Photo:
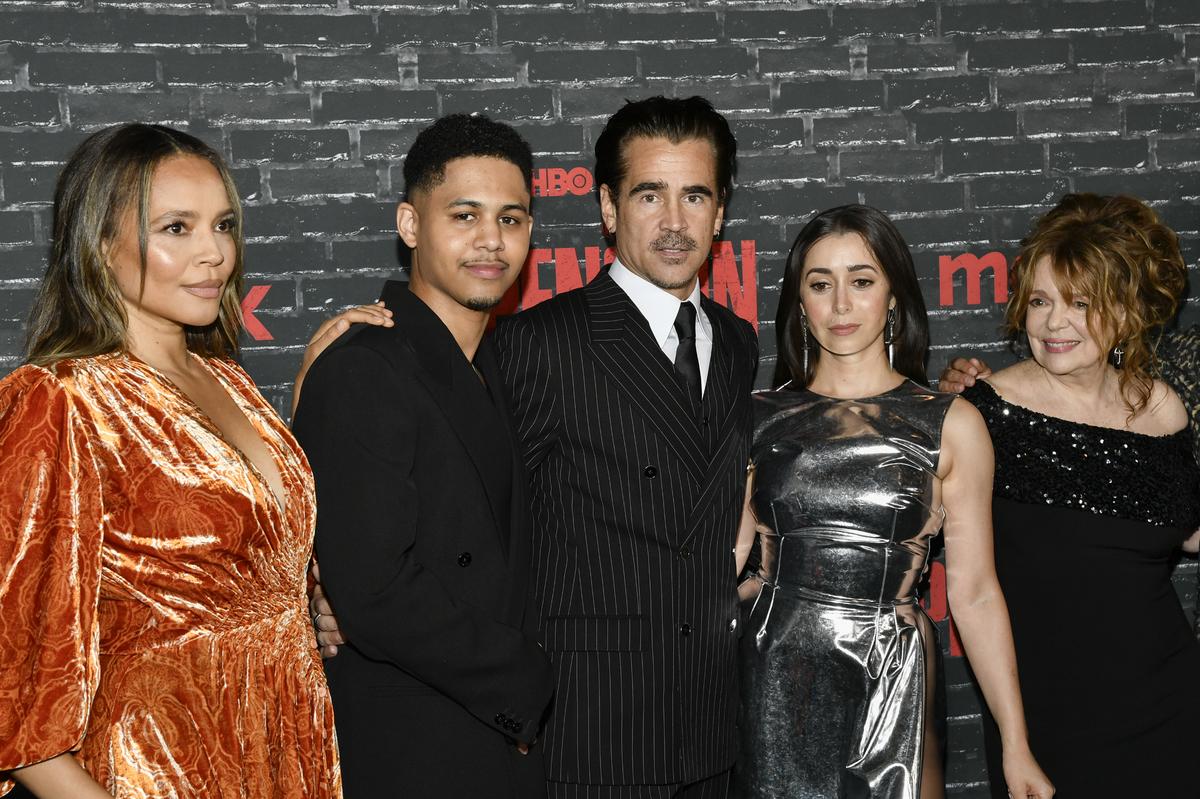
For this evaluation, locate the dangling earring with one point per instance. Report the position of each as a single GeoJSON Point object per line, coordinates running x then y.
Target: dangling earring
{"type": "Point", "coordinates": [804, 339]}
{"type": "Point", "coordinates": [889, 335]}
{"type": "Point", "coordinates": [1118, 355]}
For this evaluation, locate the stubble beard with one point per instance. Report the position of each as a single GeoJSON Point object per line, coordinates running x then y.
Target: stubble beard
{"type": "Point", "coordinates": [482, 303]}
{"type": "Point", "coordinates": [673, 240]}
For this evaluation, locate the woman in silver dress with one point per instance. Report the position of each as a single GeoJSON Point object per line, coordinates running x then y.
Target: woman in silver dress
{"type": "Point", "coordinates": [856, 467]}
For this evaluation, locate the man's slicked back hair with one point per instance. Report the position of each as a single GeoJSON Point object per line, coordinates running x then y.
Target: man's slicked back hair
{"type": "Point", "coordinates": [669, 118]}
{"type": "Point", "coordinates": [462, 136]}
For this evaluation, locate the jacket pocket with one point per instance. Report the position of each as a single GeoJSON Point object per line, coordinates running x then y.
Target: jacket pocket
{"type": "Point", "coordinates": [595, 634]}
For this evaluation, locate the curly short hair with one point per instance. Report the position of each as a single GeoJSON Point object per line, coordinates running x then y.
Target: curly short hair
{"type": "Point", "coordinates": [1116, 251]}
{"type": "Point", "coordinates": [462, 136]}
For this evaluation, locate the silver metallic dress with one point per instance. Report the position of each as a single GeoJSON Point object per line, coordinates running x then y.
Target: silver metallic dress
{"type": "Point", "coordinates": [838, 660]}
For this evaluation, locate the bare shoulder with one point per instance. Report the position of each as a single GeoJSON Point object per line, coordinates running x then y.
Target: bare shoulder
{"type": "Point", "coordinates": [965, 437]}
{"type": "Point", "coordinates": [1165, 412]}
{"type": "Point", "coordinates": [1009, 381]}
{"type": "Point", "coordinates": [965, 423]}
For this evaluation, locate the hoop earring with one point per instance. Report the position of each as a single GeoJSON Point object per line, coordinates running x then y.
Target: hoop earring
{"type": "Point", "coordinates": [804, 339]}
{"type": "Point", "coordinates": [1118, 355]}
{"type": "Point", "coordinates": [889, 335]}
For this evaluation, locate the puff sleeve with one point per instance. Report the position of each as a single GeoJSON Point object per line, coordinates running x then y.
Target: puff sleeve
{"type": "Point", "coordinates": [51, 524]}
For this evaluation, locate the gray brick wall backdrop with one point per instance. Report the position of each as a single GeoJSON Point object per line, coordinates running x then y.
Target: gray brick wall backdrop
{"type": "Point", "coordinates": [962, 119]}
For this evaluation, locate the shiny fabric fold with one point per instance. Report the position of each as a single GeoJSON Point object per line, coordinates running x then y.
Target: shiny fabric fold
{"type": "Point", "coordinates": [838, 660]}
{"type": "Point", "coordinates": [152, 589]}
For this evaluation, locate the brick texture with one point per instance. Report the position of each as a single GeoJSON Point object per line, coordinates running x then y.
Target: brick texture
{"type": "Point", "coordinates": [962, 118]}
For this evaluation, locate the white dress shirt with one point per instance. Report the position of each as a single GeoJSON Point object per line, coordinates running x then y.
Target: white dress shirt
{"type": "Point", "coordinates": [660, 307]}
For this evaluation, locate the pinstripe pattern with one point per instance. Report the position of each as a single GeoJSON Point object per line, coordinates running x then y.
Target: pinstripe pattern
{"type": "Point", "coordinates": [635, 499]}
{"type": "Point", "coordinates": [716, 787]}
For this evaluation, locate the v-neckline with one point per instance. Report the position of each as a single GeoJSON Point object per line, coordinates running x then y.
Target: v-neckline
{"type": "Point", "coordinates": [207, 421]}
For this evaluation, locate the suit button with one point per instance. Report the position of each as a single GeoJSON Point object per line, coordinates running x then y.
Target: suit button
{"type": "Point", "coordinates": [685, 552]}
{"type": "Point", "coordinates": [650, 471]}
{"type": "Point", "coordinates": [685, 629]}
{"type": "Point", "coordinates": [704, 421]}
{"type": "Point", "coordinates": [464, 559]}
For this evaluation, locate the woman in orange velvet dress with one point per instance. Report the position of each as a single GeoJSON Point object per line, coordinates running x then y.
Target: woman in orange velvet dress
{"type": "Point", "coordinates": [156, 516]}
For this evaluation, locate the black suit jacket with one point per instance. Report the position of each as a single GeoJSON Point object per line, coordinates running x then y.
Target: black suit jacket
{"type": "Point", "coordinates": [423, 541]}
{"type": "Point", "coordinates": [636, 496]}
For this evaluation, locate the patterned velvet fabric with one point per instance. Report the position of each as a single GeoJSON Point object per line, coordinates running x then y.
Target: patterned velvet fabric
{"type": "Point", "coordinates": [152, 589]}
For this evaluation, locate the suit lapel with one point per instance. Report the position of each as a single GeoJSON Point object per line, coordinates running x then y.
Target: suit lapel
{"type": "Point", "coordinates": [518, 523]}
{"type": "Point", "coordinates": [448, 376]}
{"type": "Point", "coordinates": [719, 399]}
{"type": "Point", "coordinates": [516, 544]}
{"type": "Point", "coordinates": [621, 341]}
{"type": "Point", "coordinates": [726, 395]}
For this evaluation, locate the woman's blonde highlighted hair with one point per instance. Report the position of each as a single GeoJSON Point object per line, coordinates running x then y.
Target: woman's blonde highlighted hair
{"type": "Point", "coordinates": [1115, 252]}
{"type": "Point", "coordinates": [78, 311]}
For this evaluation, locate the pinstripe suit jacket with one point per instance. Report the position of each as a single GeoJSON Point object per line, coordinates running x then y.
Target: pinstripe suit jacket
{"type": "Point", "coordinates": [636, 494]}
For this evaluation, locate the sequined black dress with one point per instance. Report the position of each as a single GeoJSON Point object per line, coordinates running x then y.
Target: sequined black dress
{"type": "Point", "coordinates": [839, 663]}
{"type": "Point", "coordinates": [1087, 523]}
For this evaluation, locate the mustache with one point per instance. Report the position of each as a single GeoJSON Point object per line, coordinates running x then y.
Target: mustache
{"type": "Point", "coordinates": [673, 240]}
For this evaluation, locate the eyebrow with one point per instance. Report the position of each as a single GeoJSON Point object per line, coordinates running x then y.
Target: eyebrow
{"type": "Point", "coordinates": [659, 185]}
{"type": "Point", "coordinates": [647, 185]}
{"type": "Point", "coordinates": [825, 270]}
{"type": "Point", "coordinates": [476, 204]}
{"type": "Point", "coordinates": [192, 214]}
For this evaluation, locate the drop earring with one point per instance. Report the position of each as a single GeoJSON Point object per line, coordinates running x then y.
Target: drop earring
{"type": "Point", "coordinates": [1118, 355]}
{"type": "Point", "coordinates": [889, 335]}
{"type": "Point", "coordinates": [804, 339]}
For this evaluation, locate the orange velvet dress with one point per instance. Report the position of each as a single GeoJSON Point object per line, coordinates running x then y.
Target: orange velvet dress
{"type": "Point", "coordinates": [152, 590]}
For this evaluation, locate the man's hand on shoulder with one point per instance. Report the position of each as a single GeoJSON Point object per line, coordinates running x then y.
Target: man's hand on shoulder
{"type": "Point", "coordinates": [330, 330]}
{"type": "Point", "coordinates": [961, 373]}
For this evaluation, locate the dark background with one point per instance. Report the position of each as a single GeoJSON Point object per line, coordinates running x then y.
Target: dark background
{"type": "Point", "coordinates": [961, 119]}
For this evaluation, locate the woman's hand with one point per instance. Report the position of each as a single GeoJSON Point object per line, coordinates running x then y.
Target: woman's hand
{"type": "Point", "coordinates": [60, 777]}
{"type": "Point", "coordinates": [1192, 545]}
{"type": "Point", "coordinates": [330, 329]}
{"type": "Point", "coordinates": [1024, 777]}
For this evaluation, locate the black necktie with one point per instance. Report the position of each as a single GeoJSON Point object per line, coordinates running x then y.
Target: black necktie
{"type": "Point", "coordinates": [687, 365]}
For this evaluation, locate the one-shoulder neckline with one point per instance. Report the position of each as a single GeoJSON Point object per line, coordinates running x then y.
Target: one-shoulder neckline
{"type": "Point", "coordinates": [1183, 431]}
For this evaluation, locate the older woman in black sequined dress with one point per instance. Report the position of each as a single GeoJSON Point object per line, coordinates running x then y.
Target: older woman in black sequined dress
{"type": "Point", "coordinates": [1095, 491]}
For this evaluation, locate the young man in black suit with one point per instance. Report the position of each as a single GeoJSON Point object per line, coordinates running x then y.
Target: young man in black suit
{"type": "Point", "coordinates": [423, 529]}
{"type": "Point", "coordinates": [632, 401]}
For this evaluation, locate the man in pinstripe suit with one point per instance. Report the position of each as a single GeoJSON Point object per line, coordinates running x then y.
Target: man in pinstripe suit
{"type": "Point", "coordinates": [632, 401]}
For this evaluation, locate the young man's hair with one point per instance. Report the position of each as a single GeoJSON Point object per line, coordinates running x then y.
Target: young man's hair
{"type": "Point", "coordinates": [669, 118]}
{"type": "Point", "coordinates": [462, 136]}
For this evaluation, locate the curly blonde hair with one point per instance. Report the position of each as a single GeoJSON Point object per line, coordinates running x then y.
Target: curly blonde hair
{"type": "Point", "coordinates": [1115, 251]}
